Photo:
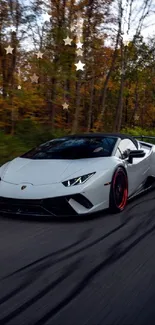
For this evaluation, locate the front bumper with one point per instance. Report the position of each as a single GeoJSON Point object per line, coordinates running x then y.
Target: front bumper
{"type": "Point", "coordinates": [54, 199]}
{"type": "Point", "coordinates": [58, 206]}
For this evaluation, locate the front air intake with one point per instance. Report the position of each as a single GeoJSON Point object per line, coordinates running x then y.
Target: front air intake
{"type": "Point", "coordinates": [81, 199]}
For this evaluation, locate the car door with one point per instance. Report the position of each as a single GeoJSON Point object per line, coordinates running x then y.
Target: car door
{"type": "Point", "coordinates": [138, 171]}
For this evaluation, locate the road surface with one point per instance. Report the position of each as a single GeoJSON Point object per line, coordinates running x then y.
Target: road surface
{"type": "Point", "coordinates": [92, 272]}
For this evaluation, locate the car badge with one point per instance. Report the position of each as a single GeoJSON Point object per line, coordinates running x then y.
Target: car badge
{"type": "Point", "coordinates": [23, 187]}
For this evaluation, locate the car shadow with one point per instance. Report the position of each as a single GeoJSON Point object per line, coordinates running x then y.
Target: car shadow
{"type": "Point", "coordinates": [57, 219]}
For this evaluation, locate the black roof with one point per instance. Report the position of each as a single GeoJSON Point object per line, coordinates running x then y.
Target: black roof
{"type": "Point", "coordinates": [117, 135]}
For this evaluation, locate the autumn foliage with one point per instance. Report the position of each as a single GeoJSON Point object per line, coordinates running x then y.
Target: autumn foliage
{"type": "Point", "coordinates": [116, 89]}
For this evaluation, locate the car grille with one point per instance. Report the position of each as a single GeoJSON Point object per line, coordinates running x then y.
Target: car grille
{"type": "Point", "coordinates": [45, 207]}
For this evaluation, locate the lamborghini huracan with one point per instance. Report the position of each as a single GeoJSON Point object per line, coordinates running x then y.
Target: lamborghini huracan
{"type": "Point", "coordinates": [77, 175]}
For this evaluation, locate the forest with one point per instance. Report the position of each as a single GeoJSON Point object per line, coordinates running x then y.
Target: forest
{"type": "Point", "coordinates": [69, 66]}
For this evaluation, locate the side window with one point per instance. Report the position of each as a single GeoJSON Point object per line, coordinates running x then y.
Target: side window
{"type": "Point", "coordinates": [126, 144]}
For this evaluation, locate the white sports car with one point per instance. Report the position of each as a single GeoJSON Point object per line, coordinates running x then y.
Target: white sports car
{"type": "Point", "coordinates": [77, 175]}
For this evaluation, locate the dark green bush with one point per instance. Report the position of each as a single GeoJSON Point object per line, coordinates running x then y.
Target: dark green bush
{"type": "Point", "coordinates": [10, 147]}
{"type": "Point", "coordinates": [28, 134]}
{"type": "Point", "coordinates": [32, 133]}
{"type": "Point", "coordinates": [137, 131]}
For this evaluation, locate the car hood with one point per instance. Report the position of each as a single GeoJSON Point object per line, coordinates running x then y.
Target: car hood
{"type": "Point", "coordinates": [41, 172]}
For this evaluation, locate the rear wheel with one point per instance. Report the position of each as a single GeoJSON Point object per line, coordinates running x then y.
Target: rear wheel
{"type": "Point", "coordinates": [119, 190]}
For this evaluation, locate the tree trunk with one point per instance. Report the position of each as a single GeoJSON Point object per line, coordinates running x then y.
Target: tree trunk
{"type": "Point", "coordinates": [77, 109]}
{"type": "Point", "coordinates": [119, 108]}
{"type": "Point", "coordinates": [104, 89]}
{"type": "Point", "coordinates": [52, 106]}
{"type": "Point", "coordinates": [136, 103]}
{"type": "Point", "coordinates": [90, 111]}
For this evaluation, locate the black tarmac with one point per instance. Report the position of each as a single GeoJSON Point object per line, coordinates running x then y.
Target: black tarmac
{"type": "Point", "coordinates": [80, 272]}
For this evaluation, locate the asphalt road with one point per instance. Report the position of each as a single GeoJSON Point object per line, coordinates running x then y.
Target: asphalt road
{"type": "Point", "coordinates": [92, 272]}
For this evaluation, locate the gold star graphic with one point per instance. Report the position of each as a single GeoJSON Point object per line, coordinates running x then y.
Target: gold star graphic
{"type": "Point", "coordinates": [47, 17]}
{"type": "Point", "coordinates": [39, 55]}
{"type": "Point", "coordinates": [126, 43]}
{"type": "Point", "coordinates": [79, 45]}
{"type": "Point", "coordinates": [79, 52]}
{"type": "Point", "coordinates": [79, 66]}
{"type": "Point", "coordinates": [65, 106]}
{"type": "Point", "coordinates": [34, 78]}
{"type": "Point", "coordinates": [9, 49]}
{"type": "Point", "coordinates": [67, 41]}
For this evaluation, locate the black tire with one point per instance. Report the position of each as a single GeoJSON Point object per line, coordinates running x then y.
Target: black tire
{"type": "Point", "coordinates": [119, 191]}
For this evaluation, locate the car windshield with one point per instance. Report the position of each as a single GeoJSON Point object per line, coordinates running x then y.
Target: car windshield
{"type": "Point", "coordinates": [73, 148]}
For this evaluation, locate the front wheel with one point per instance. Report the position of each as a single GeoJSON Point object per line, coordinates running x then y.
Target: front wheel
{"type": "Point", "coordinates": [119, 190]}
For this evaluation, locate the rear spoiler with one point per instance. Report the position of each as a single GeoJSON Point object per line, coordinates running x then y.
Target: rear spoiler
{"type": "Point", "coordinates": [145, 138]}
{"type": "Point", "coordinates": [142, 137]}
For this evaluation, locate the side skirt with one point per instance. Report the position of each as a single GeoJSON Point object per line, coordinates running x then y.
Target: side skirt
{"type": "Point", "coordinates": [144, 187]}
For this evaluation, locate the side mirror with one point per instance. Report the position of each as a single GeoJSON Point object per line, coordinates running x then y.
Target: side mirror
{"type": "Point", "coordinates": [135, 154]}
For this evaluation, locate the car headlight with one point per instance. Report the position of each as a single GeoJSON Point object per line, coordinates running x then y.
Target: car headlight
{"type": "Point", "coordinates": [78, 180]}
